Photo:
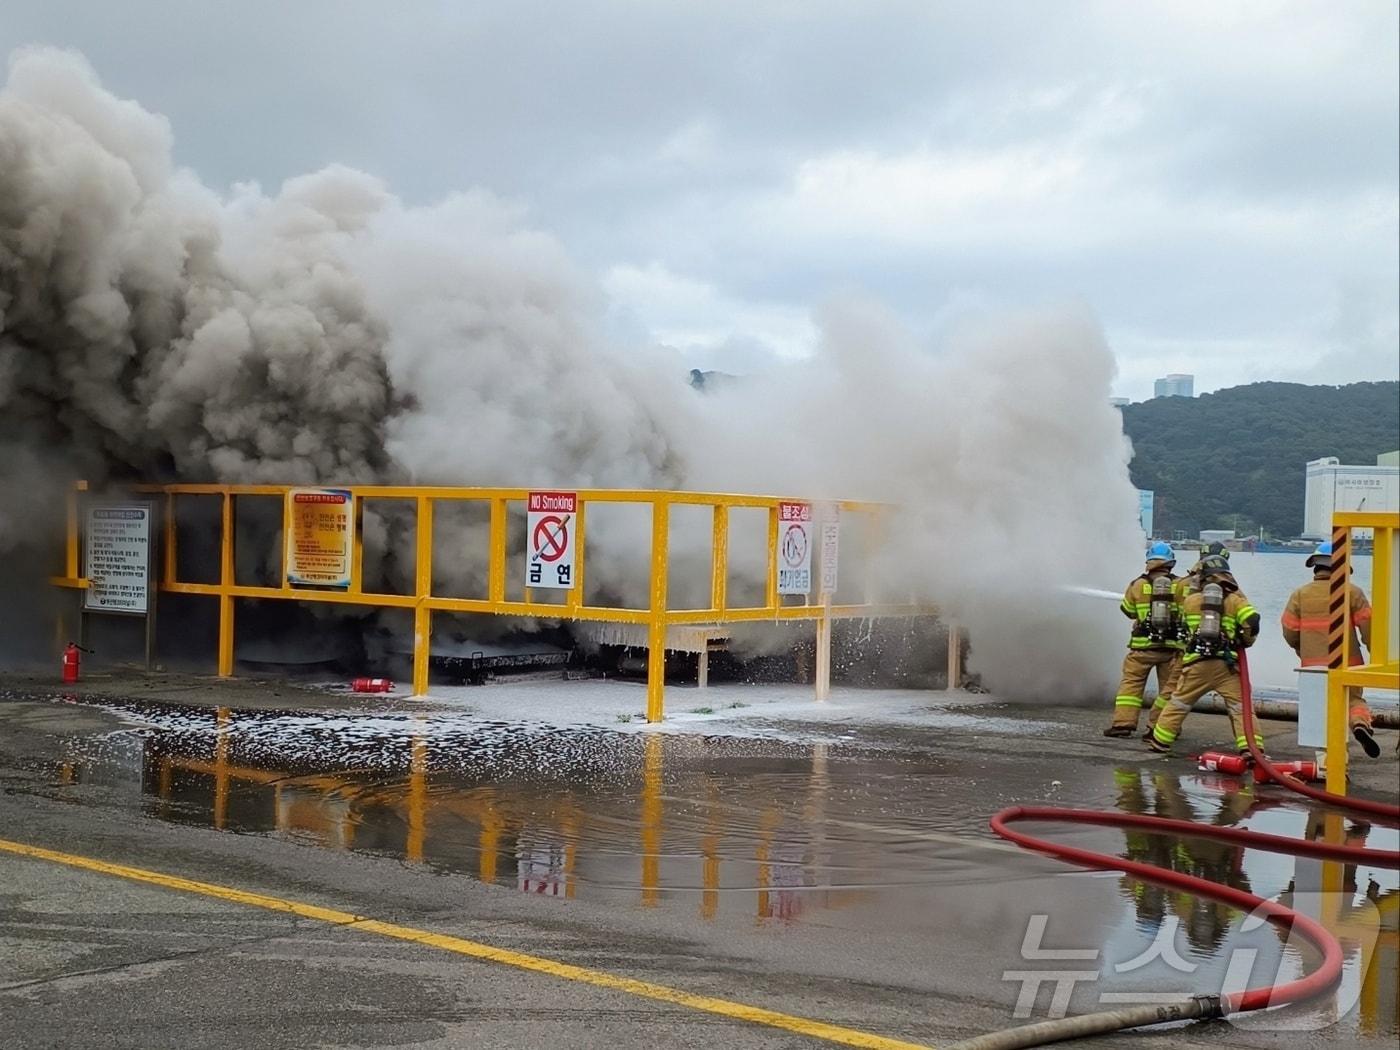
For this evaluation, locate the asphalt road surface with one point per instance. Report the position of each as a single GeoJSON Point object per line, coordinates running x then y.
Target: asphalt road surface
{"type": "Point", "coordinates": [223, 871]}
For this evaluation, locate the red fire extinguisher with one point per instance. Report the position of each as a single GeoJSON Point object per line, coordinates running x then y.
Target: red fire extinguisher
{"type": "Point", "coordinates": [1301, 769]}
{"type": "Point", "coordinates": [1223, 762]}
{"type": "Point", "coordinates": [371, 685]}
{"type": "Point", "coordinates": [71, 661]}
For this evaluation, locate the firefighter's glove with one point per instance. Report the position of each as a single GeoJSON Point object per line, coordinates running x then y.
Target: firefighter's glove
{"type": "Point", "coordinates": [1249, 630]}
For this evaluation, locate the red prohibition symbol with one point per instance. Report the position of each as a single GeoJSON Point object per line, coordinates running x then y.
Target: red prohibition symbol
{"type": "Point", "coordinates": [795, 545]}
{"type": "Point", "coordinates": [550, 538]}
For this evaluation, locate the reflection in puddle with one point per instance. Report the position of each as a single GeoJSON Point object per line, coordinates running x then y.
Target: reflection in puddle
{"type": "Point", "coordinates": [732, 830]}
{"type": "Point", "coordinates": [1359, 905]}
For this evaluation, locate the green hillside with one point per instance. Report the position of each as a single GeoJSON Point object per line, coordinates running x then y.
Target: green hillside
{"type": "Point", "coordinates": [1235, 458]}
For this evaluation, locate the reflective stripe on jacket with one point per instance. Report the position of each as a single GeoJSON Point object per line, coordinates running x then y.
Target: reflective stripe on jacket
{"type": "Point", "coordinates": [1305, 621]}
{"type": "Point", "coordinates": [1233, 617]}
{"type": "Point", "coordinates": [1137, 606]}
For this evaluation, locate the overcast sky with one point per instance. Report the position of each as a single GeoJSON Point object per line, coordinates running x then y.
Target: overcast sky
{"type": "Point", "coordinates": [1218, 181]}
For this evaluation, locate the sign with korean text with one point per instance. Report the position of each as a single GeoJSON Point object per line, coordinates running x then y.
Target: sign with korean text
{"type": "Point", "coordinates": [794, 548]}
{"type": "Point", "coordinates": [830, 529]}
{"type": "Point", "coordinates": [117, 558]}
{"type": "Point", "coordinates": [321, 537]}
{"type": "Point", "coordinates": [550, 527]}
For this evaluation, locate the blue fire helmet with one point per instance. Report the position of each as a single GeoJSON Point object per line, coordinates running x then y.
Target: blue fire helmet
{"type": "Point", "coordinates": [1160, 551]}
{"type": "Point", "coordinates": [1321, 556]}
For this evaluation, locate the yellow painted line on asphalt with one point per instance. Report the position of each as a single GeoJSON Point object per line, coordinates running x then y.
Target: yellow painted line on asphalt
{"type": "Point", "coordinates": [476, 950]}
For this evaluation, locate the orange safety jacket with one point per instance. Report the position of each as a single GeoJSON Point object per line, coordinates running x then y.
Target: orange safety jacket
{"type": "Point", "coordinates": [1305, 622]}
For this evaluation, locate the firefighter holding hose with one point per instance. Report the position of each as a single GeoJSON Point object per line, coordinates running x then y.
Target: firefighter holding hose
{"type": "Point", "coordinates": [1153, 603]}
{"type": "Point", "coordinates": [1219, 623]}
{"type": "Point", "coordinates": [1304, 623]}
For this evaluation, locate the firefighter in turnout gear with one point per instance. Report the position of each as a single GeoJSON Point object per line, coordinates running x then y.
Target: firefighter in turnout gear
{"type": "Point", "coordinates": [1153, 603]}
{"type": "Point", "coordinates": [1219, 622]}
{"type": "Point", "coordinates": [1304, 622]}
{"type": "Point", "coordinates": [1192, 580]}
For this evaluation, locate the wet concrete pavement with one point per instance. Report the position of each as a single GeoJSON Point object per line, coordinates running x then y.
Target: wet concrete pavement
{"type": "Point", "coordinates": [852, 882]}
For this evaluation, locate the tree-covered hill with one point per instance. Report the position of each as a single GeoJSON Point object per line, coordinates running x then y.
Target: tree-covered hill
{"type": "Point", "coordinates": [1236, 458]}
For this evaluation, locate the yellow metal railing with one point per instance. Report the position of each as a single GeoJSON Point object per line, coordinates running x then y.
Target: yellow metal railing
{"type": "Point", "coordinates": [658, 616]}
{"type": "Point", "coordinates": [1382, 669]}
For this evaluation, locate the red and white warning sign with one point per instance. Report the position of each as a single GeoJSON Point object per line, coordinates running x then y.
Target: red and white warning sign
{"type": "Point", "coordinates": [794, 548]}
{"type": "Point", "coordinates": [549, 539]}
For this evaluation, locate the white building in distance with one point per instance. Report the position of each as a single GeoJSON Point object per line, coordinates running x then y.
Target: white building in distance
{"type": "Point", "coordinates": [1178, 384]}
{"type": "Point", "coordinates": [1335, 486]}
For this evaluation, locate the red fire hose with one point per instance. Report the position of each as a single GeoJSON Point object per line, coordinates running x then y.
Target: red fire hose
{"type": "Point", "coordinates": [1322, 979]}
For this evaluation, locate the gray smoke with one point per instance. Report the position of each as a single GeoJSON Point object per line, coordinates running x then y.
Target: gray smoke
{"type": "Point", "coordinates": [146, 328]}
{"type": "Point", "coordinates": [150, 328]}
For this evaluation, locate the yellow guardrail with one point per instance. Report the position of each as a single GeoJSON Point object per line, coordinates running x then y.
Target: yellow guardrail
{"type": "Point", "coordinates": [658, 616]}
{"type": "Point", "coordinates": [1382, 669]}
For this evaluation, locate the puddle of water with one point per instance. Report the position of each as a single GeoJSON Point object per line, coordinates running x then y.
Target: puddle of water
{"type": "Point", "coordinates": [764, 832]}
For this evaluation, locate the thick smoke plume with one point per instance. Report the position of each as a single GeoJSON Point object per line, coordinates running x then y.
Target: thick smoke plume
{"type": "Point", "coordinates": [151, 328]}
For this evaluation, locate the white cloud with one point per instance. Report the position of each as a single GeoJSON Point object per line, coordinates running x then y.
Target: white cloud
{"type": "Point", "coordinates": [1206, 176]}
{"type": "Point", "coordinates": [914, 196]}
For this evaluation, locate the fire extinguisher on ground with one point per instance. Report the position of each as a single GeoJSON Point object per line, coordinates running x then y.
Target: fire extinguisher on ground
{"type": "Point", "coordinates": [371, 685]}
{"type": "Point", "coordinates": [1239, 765]}
{"type": "Point", "coordinates": [72, 661]}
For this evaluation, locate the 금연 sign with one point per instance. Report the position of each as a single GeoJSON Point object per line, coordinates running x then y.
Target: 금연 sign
{"type": "Point", "coordinates": [550, 527]}
{"type": "Point", "coordinates": [118, 558]}
{"type": "Point", "coordinates": [831, 547]}
{"type": "Point", "coordinates": [321, 537]}
{"type": "Point", "coordinates": [794, 548]}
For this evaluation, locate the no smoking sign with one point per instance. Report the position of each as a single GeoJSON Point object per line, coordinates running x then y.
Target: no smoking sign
{"type": "Point", "coordinates": [549, 530]}
{"type": "Point", "coordinates": [794, 548]}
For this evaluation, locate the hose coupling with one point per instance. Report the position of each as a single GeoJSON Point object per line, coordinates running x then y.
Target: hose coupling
{"type": "Point", "coordinates": [1210, 1005]}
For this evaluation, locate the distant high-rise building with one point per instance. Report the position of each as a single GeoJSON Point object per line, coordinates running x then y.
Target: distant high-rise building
{"type": "Point", "coordinates": [1175, 385]}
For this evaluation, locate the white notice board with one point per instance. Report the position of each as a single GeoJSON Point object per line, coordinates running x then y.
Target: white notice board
{"type": "Point", "coordinates": [117, 558]}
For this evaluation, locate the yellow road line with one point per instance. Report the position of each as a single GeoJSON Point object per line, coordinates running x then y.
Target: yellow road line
{"type": "Point", "coordinates": [598, 978]}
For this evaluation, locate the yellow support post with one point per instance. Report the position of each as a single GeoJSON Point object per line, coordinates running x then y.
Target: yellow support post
{"type": "Point", "coordinates": [496, 573]}
{"type": "Point", "coordinates": [770, 588]}
{"type": "Point", "coordinates": [1338, 736]}
{"type": "Point", "coordinates": [226, 582]}
{"type": "Point", "coordinates": [656, 635]}
{"type": "Point", "coordinates": [286, 541]}
{"type": "Point", "coordinates": [423, 588]}
{"type": "Point", "coordinates": [357, 544]}
{"type": "Point", "coordinates": [1382, 554]}
{"type": "Point", "coordinates": [719, 559]}
{"type": "Point", "coordinates": [70, 553]}
{"type": "Point", "coordinates": [168, 532]}
{"type": "Point", "coordinates": [574, 598]}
